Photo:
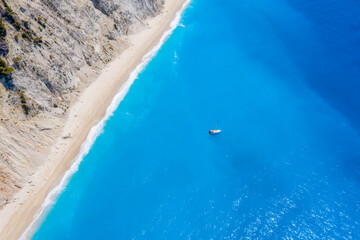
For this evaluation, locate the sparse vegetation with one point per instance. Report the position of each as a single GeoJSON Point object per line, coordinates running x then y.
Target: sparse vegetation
{"type": "Point", "coordinates": [40, 21]}
{"type": "Point", "coordinates": [17, 59]}
{"type": "Point", "coordinates": [2, 63]}
{"type": "Point", "coordinates": [16, 62]}
{"type": "Point", "coordinates": [22, 97]}
{"type": "Point", "coordinates": [17, 25]}
{"type": "Point", "coordinates": [23, 102]}
{"type": "Point", "coordinates": [9, 11]}
{"type": "Point", "coordinates": [38, 40]}
{"type": "Point", "coordinates": [5, 3]}
{"type": "Point", "coordinates": [25, 36]}
{"type": "Point", "coordinates": [26, 24]}
{"type": "Point", "coordinates": [9, 15]}
{"type": "Point", "coordinates": [2, 29]}
{"type": "Point", "coordinates": [26, 109]}
{"type": "Point", "coordinates": [6, 70]}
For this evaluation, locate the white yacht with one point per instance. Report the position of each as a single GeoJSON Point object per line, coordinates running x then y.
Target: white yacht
{"type": "Point", "coordinates": [215, 131]}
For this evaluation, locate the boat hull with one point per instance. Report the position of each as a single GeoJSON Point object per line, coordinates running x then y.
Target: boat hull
{"type": "Point", "coordinates": [214, 131]}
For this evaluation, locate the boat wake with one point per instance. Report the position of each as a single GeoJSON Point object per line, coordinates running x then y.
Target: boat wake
{"type": "Point", "coordinates": [176, 58]}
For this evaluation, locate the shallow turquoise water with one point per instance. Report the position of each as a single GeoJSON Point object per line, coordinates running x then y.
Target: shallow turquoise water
{"type": "Point", "coordinates": [282, 79]}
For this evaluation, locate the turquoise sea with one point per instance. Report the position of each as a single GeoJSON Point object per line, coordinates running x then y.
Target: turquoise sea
{"type": "Point", "coordinates": [282, 77]}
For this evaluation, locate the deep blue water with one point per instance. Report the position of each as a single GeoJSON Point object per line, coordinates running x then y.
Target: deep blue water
{"type": "Point", "coordinates": [282, 77]}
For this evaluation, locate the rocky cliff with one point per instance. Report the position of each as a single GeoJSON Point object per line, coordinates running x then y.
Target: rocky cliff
{"type": "Point", "coordinates": [51, 50]}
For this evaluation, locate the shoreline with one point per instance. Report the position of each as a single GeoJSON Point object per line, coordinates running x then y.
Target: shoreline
{"type": "Point", "coordinates": [85, 121]}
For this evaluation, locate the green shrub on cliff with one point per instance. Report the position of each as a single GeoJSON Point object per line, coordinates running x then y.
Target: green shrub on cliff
{"type": "Point", "coordinates": [2, 29]}
{"type": "Point", "coordinates": [22, 97]}
{"type": "Point", "coordinates": [26, 109]}
{"type": "Point", "coordinates": [26, 24]}
{"type": "Point", "coordinates": [25, 36]}
{"type": "Point", "coordinates": [7, 70]}
{"type": "Point", "coordinates": [2, 63]}
{"type": "Point", "coordinates": [41, 22]}
{"type": "Point", "coordinates": [23, 102]}
{"type": "Point", "coordinates": [9, 11]}
{"type": "Point", "coordinates": [5, 3]}
{"type": "Point", "coordinates": [16, 59]}
{"type": "Point", "coordinates": [38, 40]}
{"type": "Point", "coordinates": [17, 25]}
{"type": "Point", "coordinates": [16, 62]}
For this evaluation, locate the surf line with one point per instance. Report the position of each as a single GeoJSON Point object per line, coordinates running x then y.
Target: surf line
{"type": "Point", "coordinates": [96, 130]}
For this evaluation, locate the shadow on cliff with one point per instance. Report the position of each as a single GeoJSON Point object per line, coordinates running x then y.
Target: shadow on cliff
{"type": "Point", "coordinates": [8, 83]}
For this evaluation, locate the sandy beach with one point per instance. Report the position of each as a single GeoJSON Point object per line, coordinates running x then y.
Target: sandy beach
{"type": "Point", "coordinates": [91, 107]}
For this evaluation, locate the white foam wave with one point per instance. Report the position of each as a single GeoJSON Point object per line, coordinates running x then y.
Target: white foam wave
{"type": "Point", "coordinates": [97, 129]}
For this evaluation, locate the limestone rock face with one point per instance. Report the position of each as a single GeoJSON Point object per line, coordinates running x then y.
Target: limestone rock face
{"type": "Point", "coordinates": [52, 50]}
{"type": "Point", "coordinates": [73, 34]}
{"type": "Point", "coordinates": [141, 8]}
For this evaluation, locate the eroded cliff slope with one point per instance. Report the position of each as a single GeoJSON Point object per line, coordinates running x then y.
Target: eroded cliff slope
{"type": "Point", "coordinates": [51, 50]}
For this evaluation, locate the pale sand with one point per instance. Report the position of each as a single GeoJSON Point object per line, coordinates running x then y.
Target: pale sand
{"type": "Point", "coordinates": [83, 115]}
